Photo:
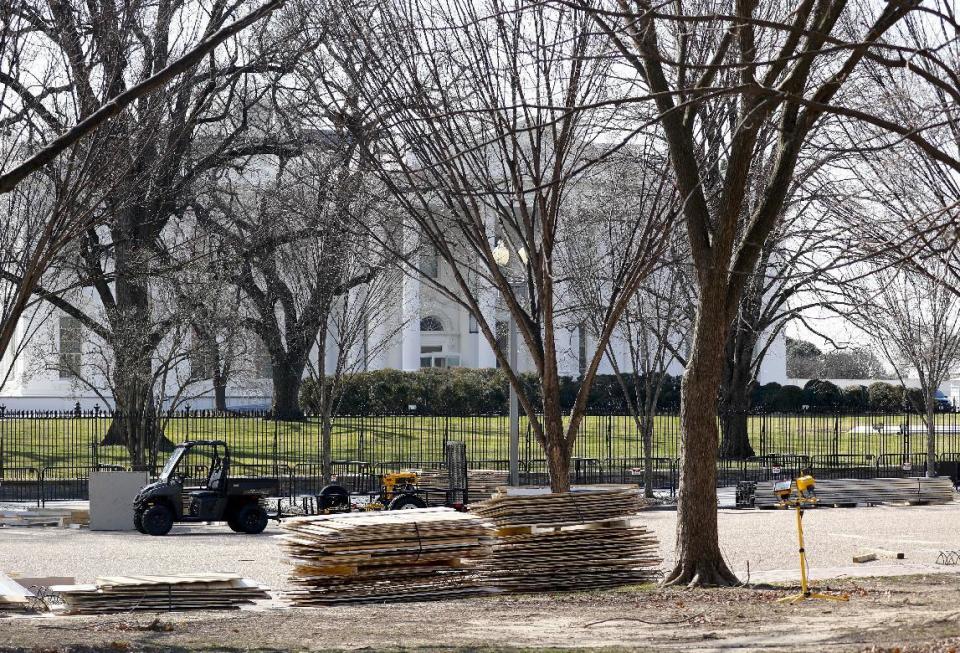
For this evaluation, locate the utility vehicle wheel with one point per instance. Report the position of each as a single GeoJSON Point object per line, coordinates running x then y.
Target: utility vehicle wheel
{"type": "Point", "coordinates": [251, 519]}
{"type": "Point", "coordinates": [233, 524]}
{"type": "Point", "coordinates": [407, 502]}
{"type": "Point", "coordinates": [334, 497]}
{"type": "Point", "coordinates": [138, 521]}
{"type": "Point", "coordinates": [157, 520]}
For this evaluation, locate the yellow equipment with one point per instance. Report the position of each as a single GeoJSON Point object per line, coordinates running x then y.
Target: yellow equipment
{"type": "Point", "coordinates": [406, 481]}
{"type": "Point", "coordinates": [806, 494]}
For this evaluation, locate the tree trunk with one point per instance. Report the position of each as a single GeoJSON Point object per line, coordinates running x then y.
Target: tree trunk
{"type": "Point", "coordinates": [132, 342]}
{"type": "Point", "coordinates": [646, 430]}
{"type": "Point", "coordinates": [931, 439]}
{"type": "Point", "coordinates": [735, 416]}
{"type": "Point", "coordinates": [326, 460]}
{"type": "Point", "coordinates": [287, 378]}
{"type": "Point", "coordinates": [735, 394]}
{"type": "Point", "coordinates": [699, 561]}
{"type": "Point", "coordinates": [219, 388]}
{"type": "Point", "coordinates": [558, 464]}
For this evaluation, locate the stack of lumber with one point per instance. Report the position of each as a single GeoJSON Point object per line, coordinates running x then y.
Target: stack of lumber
{"type": "Point", "coordinates": [481, 483]}
{"type": "Point", "coordinates": [851, 491]}
{"type": "Point", "coordinates": [56, 517]}
{"type": "Point", "coordinates": [213, 591]}
{"type": "Point", "coordinates": [572, 541]}
{"type": "Point", "coordinates": [402, 555]}
{"type": "Point", "coordinates": [14, 597]}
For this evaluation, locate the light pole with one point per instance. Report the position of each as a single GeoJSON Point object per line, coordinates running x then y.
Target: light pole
{"type": "Point", "coordinates": [501, 256]}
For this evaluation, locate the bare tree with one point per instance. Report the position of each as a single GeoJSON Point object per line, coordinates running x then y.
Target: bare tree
{"type": "Point", "coordinates": [295, 233]}
{"type": "Point", "coordinates": [914, 319]}
{"type": "Point", "coordinates": [158, 146]}
{"type": "Point", "coordinates": [37, 116]}
{"type": "Point", "coordinates": [654, 325]}
{"type": "Point", "coordinates": [782, 67]}
{"type": "Point", "coordinates": [481, 126]}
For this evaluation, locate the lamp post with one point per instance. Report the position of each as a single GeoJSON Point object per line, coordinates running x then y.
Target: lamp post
{"type": "Point", "coordinates": [501, 256]}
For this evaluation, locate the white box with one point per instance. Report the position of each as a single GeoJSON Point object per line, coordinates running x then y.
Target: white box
{"type": "Point", "coordinates": [111, 499]}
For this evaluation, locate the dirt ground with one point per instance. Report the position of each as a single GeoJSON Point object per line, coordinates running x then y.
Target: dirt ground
{"type": "Point", "coordinates": [905, 614]}
{"type": "Point", "coordinates": [907, 605]}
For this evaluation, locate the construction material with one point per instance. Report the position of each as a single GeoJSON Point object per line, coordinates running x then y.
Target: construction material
{"type": "Point", "coordinates": [46, 517]}
{"type": "Point", "coordinates": [853, 491]}
{"type": "Point", "coordinates": [111, 494]}
{"type": "Point", "coordinates": [154, 593]}
{"type": "Point", "coordinates": [481, 483]}
{"type": "Point", "coordinates": [14, 597]}
{"type": "Point", "coordinates": [865, 557]}
{"type": "Point", "coordinates": [571, 541]}
{"type": "Point", "coordinates": [403, 555]}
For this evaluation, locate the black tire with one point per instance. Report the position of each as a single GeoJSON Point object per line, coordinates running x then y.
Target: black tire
{"type": "Point", "coordinates": [138, 521]}
{"type": "Point", "coordinates": [251, 519]}
{"type": "Point", "coordinates": [407, 502]}
{"type": "Point", "coordinates": [157, 520]}
{"type": "Point", "coordinates": [233, 524]}
{"type": "Point", "coordinates": [334, 497]}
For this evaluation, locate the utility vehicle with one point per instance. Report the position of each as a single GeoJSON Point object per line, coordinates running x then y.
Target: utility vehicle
{"type": "Point", "coordinates": [217, 497]}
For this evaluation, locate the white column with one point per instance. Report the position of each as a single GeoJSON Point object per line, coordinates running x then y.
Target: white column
{"type": "Point", "coordinates": [410, 312]}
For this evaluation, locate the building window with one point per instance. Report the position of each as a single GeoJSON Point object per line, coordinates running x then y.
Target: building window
{"type": "Point", "coordinates": [472, 324]}
{"type": "Point", "coordinates": [71, 342]}
{"type": "Point", "coordinates": [431, 323]}
{"type": "Point", "coordinates": [430, 262]}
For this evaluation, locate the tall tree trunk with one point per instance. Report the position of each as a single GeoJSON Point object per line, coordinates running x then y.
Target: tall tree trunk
{"type": "Point", "coordinates": [219, 392]}
{"type": "Point", "coordinates": [931, 438]}
{"type": "Point", "coordinates": [556, 449]}
{"type": "Point", "coordinates": [132, 347]}
{"type": "Point", "coordinates": [646, 430]}
{"type": "Point", "coordinates": [735, 393]}
{"type": "Point", "coordinates": [698, 558]}
{"type": "Point", "coordinates": [287, 377]}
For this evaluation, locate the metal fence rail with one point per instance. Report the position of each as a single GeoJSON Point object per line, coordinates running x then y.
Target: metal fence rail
{"type": "Point", "coordinates": [48, 455]}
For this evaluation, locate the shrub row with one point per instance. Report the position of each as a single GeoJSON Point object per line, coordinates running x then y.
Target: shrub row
{"type": "Point", "coordinates": [824, 395]}
{"type": "Point", "coordinates": [463, 391]}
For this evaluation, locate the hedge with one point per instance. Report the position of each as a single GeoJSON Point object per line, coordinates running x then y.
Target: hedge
{"type": "Point", "coordinates": [464, 391]}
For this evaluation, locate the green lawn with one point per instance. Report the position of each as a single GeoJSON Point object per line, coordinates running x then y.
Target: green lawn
{"type": "Point", "coordinates": [59, 442]}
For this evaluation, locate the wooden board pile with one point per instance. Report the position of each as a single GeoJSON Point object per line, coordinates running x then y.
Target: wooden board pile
{"type": "Point", "coordinates": [481, 483]}
{"type": "Point", "coordinates": [851, 491]}
{"type": "Point", "coordinates": [403, 555]}
{"type": "Point", "coordinates": [213, 591]}
{"type": "Point", "coordinates": [55, 517]}
{"type": "Point", "coordinates": [14, 597]}
{"type": "Point", "coordinates": [573, 541]}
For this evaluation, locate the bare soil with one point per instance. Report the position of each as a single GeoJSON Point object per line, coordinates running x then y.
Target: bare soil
{"type": "Point", "coordinates": [905, 614]}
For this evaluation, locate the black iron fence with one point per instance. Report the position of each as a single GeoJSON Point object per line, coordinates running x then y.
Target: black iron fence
{"type": "Point", "coordinates": [49, 455]}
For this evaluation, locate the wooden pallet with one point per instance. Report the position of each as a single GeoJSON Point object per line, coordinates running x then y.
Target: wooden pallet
{"type": "Point", "coordinates": [481, 483]}
{"type": "Point", "coordinates": [853, 491]}
{"type": "Point", "coordinates": [577, 541]}
{"type": "Point", "coordinates": [211, 591]}
{"type": "Point", "coordinates": [385, 556]}
{"type": "Point", "coordinates": [569, 508]}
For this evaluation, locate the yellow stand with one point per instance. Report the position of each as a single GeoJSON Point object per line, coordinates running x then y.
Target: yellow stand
{"type": "Point", "coordinates": [805, 592]}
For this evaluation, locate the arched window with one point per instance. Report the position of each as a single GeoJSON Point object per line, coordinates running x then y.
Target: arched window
{"type": "Point", "coordinates": [431, 323]}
